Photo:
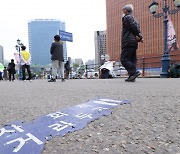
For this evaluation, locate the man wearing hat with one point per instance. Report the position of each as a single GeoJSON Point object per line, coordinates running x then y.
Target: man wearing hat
{"type": "Point", "coordinates": [131, 35]}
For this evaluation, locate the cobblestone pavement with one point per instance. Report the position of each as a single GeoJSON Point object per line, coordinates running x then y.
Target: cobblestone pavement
{"type": "Point", "coordinates": [150, 124]}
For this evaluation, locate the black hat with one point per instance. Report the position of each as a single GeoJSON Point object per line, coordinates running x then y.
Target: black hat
{"type": "Point", "coordinates": [23, 47]}
{"type": "Point", "coordinates": [57, 37]}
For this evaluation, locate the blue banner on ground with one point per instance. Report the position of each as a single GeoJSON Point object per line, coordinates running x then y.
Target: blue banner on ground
{"type": "Point", "coordinates": [65, 36]}
{"type": "Point", "coordinates": [30, 137]}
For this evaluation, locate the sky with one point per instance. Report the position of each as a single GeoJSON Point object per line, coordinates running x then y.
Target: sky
{"type": "Point", "coordinates": [82, 18]}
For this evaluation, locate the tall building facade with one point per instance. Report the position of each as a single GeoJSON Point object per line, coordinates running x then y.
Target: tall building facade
{"type": "Point", "coordinates": [152, 28]}
{"type": "Point", "coordinates": [41, 35]}
{"type": "Point", "coordinates": [1, 55]}
{"type": "Point", "coordinates": [100, 46]}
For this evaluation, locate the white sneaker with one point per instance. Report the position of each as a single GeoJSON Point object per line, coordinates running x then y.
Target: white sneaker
{"type": "Point", "coordinates": [30, 80]}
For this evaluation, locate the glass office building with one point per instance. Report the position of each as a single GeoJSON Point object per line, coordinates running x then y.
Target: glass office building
{"type": "Point", "coordinates": [41, 35]}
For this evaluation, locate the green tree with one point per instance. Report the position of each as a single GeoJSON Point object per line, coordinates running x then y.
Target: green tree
{"type": "Point", "coordinates": [75, 66]}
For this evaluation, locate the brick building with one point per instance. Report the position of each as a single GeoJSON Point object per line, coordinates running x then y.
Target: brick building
{"type": "Point", "coordinates": [152, 28]}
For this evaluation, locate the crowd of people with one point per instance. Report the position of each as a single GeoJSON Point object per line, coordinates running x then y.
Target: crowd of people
{"type": "Point", "coordinates": [10, 71]}
{"type": "Point", "coordinates": [57, 60]}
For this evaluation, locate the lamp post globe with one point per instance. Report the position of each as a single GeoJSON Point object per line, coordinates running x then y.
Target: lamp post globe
{"type": "Point", "coordinates": [177, 3]}
{"type": "Point", "coordinates": [153, 7]}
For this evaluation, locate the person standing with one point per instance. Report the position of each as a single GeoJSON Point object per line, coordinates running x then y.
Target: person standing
{"type": "Point", "coordinates": [11, 70]}
{"type": "Point", "coordinates": [25, 63]}
{"type": "Point", "coordinates": [5, 74]}
{"type": "Point", "coordinates": [1, 78]}
{"type": "Point", "coordinates": [57, 59]}
{"type": "Point", "coordinates": [131, 35]}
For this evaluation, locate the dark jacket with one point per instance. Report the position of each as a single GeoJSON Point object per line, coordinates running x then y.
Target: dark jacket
{"type": "Point", "coordinates": [130, 29]}
{"type": "Point", "coordinates": [11, 68]}
{"type": "Point", "coordinates": [57, 51]}
{"type": "Point", "coordinates": [67, 66]}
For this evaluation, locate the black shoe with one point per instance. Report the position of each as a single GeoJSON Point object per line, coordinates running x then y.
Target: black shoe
{"type": "Point", "coordinates": [130, 79]}
{"type": "Point", "coordinates": [133, 77]}
{"type": "Point", "coordinates": [63, 80]}
{"type": "Point", "coordinates": [137, 74]}
{"type": "Point", "coordinates": [52, 80]}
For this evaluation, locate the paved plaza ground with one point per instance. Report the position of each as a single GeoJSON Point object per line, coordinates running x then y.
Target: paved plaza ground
{"type": "Point", "coordinates": [150, 124]}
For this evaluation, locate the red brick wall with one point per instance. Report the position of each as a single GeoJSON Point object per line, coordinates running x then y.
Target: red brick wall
{"type": "Point", "coordinates": [152, 28]}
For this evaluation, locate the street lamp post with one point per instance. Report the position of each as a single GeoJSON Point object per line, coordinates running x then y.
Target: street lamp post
{"type": "Point", "coordinates": [18, 48]}
{"type": "Point", "coordinates": [166, 11]}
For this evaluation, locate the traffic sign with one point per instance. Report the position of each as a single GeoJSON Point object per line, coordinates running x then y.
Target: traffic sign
{"type": "Point", "coordinates": [65, 36]}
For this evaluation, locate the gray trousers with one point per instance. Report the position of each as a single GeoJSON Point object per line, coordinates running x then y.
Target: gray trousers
{"type": "Point", "coordinates": [57, 67]}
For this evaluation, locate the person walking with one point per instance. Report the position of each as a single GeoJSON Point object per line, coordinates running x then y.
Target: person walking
{"type": "Point", "coordinates": [57, 59]}
{"type": "Point", "coordinates": [25, 63]}
{"type": "Point", "coordinates": [67, 69]}
{"type": "Point", "coordinates": [131, 35]}
{"type": "Point", "coordinates": [11, 70]}
{"type": "Point", "coordinates": [5, 74]}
